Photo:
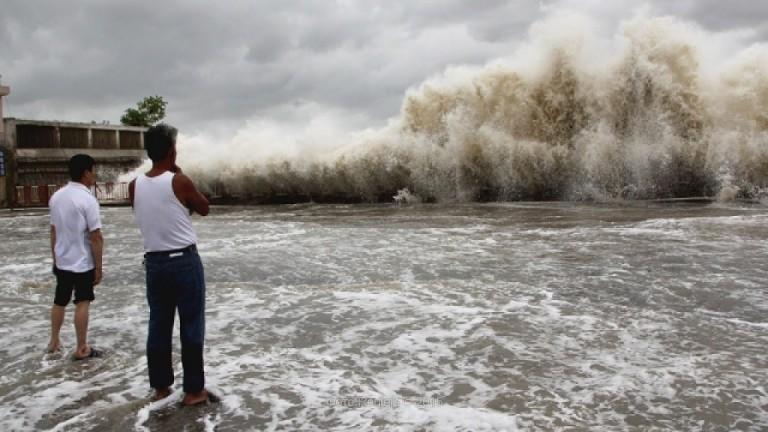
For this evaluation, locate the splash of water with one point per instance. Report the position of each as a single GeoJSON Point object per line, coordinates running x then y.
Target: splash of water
{"type": "Point", "coordinates": [653, 118]}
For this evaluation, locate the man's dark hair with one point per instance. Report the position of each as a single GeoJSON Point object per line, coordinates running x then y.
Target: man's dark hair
{"type": "Point", "coordinates": [78, 165]}
{"type": "Point", "coordinates": [158, 141]}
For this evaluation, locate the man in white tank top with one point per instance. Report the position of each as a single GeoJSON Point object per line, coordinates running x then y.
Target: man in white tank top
{"type": "Point", "coordinates": [163, 200]}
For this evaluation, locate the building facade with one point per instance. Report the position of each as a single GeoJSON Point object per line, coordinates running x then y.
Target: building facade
{"type": "Point", "coordinates": [4, 154]}
{"type": "Point", "coordinates": [35, 155]}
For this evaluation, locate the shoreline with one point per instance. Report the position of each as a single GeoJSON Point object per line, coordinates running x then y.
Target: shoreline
{"type": "Point", "coordinates": [262, 203]}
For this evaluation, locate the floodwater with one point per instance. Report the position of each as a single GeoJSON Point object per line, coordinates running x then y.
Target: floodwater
{"type": "Point", "coordinates": [477, 317]}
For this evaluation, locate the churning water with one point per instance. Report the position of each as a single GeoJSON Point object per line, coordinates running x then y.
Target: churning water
{"type": "Point", "coordinates": [661, 109]}
{"type": "Point", "coordinates": [466, 317]}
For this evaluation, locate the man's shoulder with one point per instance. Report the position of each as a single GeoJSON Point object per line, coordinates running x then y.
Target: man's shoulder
{"type": "Point", "coordinates": [62, 190]}
{"type": "Point", "coordinates": [56, 196]}
{"type": "Point", "coordinates": [182, 180]}
{"type": "Point", "coordinates": [84, 196]}
{"type": "Point", "coordinates": [91, 200]}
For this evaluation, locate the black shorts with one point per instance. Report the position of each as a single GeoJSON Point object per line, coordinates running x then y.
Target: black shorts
{"type": "Point", "coordinates": [81, 283]}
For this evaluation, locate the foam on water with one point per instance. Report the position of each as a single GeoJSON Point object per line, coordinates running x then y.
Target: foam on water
{"type": "Point", "coordinates": [403, 318]}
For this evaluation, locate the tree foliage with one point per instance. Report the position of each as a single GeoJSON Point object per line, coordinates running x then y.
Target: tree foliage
{"type": "Point", "coordinates": [148, 112]}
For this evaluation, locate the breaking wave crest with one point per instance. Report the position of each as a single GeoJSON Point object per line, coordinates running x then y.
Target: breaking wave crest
{"type": "Point", "coordinates": [562, 120]}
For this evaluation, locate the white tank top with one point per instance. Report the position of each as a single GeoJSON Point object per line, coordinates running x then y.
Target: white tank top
{"type": "Point", "coordinates": [164, 222]}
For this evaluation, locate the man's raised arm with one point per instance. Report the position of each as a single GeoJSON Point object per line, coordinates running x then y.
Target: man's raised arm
{"type": "Point", "coordinates": [188, 194]}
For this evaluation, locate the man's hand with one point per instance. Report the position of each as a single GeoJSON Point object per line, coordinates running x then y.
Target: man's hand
{"type": "Point", "coordinates": [97, 274]}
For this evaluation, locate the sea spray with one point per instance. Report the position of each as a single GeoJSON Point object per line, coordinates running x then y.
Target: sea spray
{"type": "Point", "coordinates": [649, 119]}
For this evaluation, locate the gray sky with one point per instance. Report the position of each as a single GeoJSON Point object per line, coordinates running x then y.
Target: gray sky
{"type": "Point", "coordinates": [222, 64]}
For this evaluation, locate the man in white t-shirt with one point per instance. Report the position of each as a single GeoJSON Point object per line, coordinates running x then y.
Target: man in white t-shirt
{"type": "Point", "coordinates": [76, 245]}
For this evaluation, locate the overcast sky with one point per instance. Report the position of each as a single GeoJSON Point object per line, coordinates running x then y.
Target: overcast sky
{"type": "Point", "coordinates": [221, 64]}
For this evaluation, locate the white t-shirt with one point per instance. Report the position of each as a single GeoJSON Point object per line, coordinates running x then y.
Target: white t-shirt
{"type": "Point", "coordinates": [74, 214]}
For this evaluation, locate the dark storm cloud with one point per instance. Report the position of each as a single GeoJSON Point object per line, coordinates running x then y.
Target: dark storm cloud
{"type": "Point", "coordinates": [726, 16]}
{"type": "Point", "coordinates": [719, 15]}
{"type": "Point", "coordinates": [234, 60]}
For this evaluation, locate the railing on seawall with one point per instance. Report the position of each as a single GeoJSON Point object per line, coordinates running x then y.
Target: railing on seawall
{"type": "Point", "coordinates": [38, 195]}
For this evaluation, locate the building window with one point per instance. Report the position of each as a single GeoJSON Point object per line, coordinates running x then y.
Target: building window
{"type": "Point", "coordinates": [2, 164]}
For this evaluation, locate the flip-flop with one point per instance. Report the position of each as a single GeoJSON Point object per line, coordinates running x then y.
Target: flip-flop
{"type": "Point", "coordinates": [94, 354]}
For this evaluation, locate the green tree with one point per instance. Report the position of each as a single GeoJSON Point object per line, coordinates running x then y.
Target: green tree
{"type": "Point", "coordinates": [148, 112]}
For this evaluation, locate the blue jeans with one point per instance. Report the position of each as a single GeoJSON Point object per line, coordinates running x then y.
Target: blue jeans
{"type": "Point", "coordinates": [175, 281]}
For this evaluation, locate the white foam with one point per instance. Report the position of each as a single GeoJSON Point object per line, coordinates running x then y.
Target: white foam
{"type": "Point", "coordinates": [142, 416]}
{"type": "Point", "coordinates": [457, 419]}
{"type": "Point", "coordinates": [748, 323]}
{"type": "Point", "coordinates": [521, 326]}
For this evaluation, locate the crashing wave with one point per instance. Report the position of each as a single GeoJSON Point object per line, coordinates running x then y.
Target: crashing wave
{"type": "Point", "coordinates": [649, 122]}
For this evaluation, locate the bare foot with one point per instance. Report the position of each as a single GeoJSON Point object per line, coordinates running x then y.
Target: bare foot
{"type": "Point", "coordinates": [54, 346]}
{"type": "Point", "coordinates": [162, 393]}
{"type": "Point", "coordinates": [83, 353]}
{"type": "Point", "coordinates": [195, 398]}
